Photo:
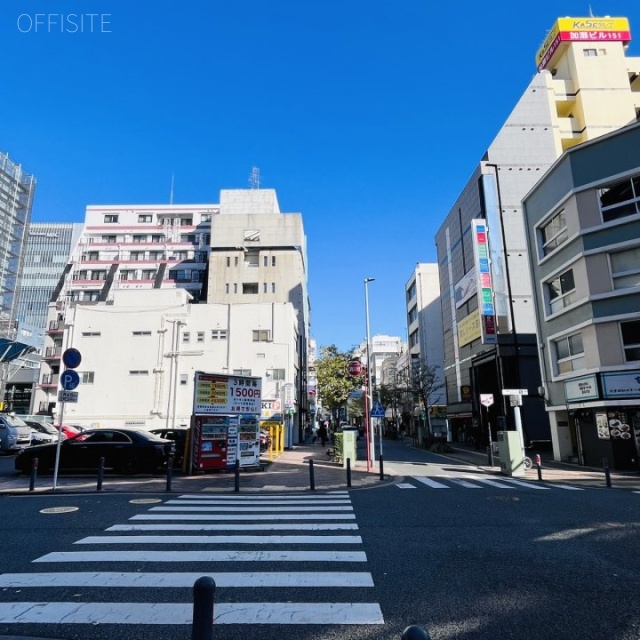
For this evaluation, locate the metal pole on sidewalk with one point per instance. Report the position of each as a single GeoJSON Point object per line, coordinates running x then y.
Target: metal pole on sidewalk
{"type": "Point", "coordinates": [607, 474]}
{"type": "Point", "coordinates": [204, 591]}
{"type": "Point", "coordinates": [236, 486]}
{"type": "Point", "coordinates": [312, 479]}
{"type": "Point", "coordinates": [348, 472]}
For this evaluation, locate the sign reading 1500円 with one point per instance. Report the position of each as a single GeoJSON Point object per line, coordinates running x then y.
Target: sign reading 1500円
{"type": "Point", "coordinates": [220, 394]}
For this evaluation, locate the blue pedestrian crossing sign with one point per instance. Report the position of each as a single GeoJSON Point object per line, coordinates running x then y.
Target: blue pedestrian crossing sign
{"type": "Point", "coordinates": [377, 411]}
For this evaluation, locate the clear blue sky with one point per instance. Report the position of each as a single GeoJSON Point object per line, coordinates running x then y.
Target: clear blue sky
{"type": "Point", "coordinates": [366, 117]}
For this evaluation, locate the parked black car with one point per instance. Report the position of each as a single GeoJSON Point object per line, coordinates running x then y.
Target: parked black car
{"type": "Point", "coordinates": [126, 451]}
{"type": "Point", "coordinates": [179, 437]}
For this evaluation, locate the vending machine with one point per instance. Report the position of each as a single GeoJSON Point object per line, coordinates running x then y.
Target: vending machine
{"type": "Point", "coordinates": [249, 440]}
{"type": "Point", "coordinates": [211, 448]}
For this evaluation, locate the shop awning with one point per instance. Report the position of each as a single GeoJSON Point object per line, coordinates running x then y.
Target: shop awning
{"type": "Point", "coordinates": [11, 350]}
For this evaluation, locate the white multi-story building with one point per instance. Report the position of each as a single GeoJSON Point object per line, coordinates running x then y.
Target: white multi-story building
{"type": "Point", "coordinates": [140, 350]}
{"type": "Point", "coordinates": [381, 347]}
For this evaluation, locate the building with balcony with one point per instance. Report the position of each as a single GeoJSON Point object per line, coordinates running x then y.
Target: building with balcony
{"type": "Point", "coordinates": [585, 87]}
{"type": "Point", "coordinates": [583, 225]}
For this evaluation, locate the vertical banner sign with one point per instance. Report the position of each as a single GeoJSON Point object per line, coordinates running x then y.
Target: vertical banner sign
{"type": "Point", "coordinates": [485, 288]}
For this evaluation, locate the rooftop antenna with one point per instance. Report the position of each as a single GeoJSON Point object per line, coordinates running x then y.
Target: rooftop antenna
{"type": "Point", "coordinates": [173, 175]}
{"type": "Point", "coordinates": [254, 178]}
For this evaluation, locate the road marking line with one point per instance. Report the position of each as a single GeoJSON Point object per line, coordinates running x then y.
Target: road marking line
{"type": "Point", "coordinates": [167, 613]}
{"type": "Point", "coordinates": [431, 483]}
{"type": "Point", "coordinates": [568, 487]}
{"type": "Point", "coordinates": [324, 526]}
{"type": "Point", "coordinates": [253, 517]}
{"type": "Point", "coordinates": [261, 508]}
{"type": "Point", "coordinates": [269, 503]}
{"type": "Point", "coordinates": [185, 579]}
{"type": "Point", "coordinates": [491, 483]}
{"type": "Point", "coordinates": [220, 540]}
{"type": "Point", "coordinates": [465, 484]}
{"type": "Point", "coordinates": [267, 498]}
{"type": "Point", "coordinates": [523, 483]}
{"type": "Point", "coordinates": [405, 485]}
{"type": "Point", "coordinates": [204, 556]}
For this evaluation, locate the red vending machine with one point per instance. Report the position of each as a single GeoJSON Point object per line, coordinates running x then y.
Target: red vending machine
{"type": "Point", "coordinates": [211, 443]}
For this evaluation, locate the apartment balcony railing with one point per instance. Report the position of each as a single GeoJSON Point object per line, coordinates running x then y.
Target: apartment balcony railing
{"type": "Point", "coordinates": [56, 326]}
{"type": "Point", "coordinates": [50, 380]}
{"type": "Point", "coordinates": [52, 352]}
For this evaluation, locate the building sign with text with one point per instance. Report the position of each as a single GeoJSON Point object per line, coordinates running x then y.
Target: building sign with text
{"type": "Point", "coordinates": [219, 394]}
{"type": "Point", "coordinates": [486, 307]}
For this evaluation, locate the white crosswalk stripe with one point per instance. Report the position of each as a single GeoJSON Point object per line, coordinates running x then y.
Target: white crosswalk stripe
{"type": "Point", "coordinates": [320, 518]}
{"type": "Point", "coordinates": [476, 482]}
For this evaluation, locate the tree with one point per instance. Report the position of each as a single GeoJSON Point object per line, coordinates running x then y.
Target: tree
{"type": "Point", "coordinates": [334, 382]}
{"type": "Point", "coordinates": [424, 382]}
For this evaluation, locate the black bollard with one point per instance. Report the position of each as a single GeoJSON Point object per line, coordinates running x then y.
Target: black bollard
{"type": "Point", "coordinates": [34, 474]}
{"type": "Point", "coordinates": [169, 471]}
{"type": "Point", "coordinates": [348, 472]}
{"type": "Point", "coordinates": [236, 471]}
{"type": "Point", "coordinates": [414, 632]}
{"type": "Point", "coordinates": [489, 456]}
{"type": "Point", "coordinates": [204, 591]}
{"type": "Point", "coordinates": [607, 474]}
{"type": "Point", "coordinates": [539, 467]}
{"type": "Point", "coordinates": [381, 468]}
{"type": "Point", "coordinates": [100, 474]}
{"type": "Point", "coordinates": [312, 479]}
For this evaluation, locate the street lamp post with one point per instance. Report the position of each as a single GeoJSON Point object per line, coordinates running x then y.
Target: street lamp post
{"type": "Point", "coordinates": [372, 449]}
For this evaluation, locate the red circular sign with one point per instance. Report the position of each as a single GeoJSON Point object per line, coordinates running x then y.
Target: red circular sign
{"type": "Point", "coordinates": [354, 368]}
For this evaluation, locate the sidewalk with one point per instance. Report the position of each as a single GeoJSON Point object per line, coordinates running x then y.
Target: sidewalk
{"type": "Point", "coordinates": [551, 470]}
{"type": "Point", "coordinates": [289, 472]}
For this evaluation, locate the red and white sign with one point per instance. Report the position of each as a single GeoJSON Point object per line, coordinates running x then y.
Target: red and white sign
{"type": "Point", "coordinates": [354, 368]}
{"type": "Point", "coordinates": [486, 399]}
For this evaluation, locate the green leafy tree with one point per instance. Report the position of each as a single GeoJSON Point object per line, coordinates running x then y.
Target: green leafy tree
{"type": "Point", "coordinates": [334, 382]}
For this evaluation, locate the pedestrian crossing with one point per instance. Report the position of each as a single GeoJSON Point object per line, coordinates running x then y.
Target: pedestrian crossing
{"type": "Point", "coordinates": [307, 547]}
{"type": "Point", "coordinates": [475, 482]}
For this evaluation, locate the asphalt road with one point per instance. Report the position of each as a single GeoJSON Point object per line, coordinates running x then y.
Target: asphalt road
{"type": "Point", "coordinates": [466, 561]}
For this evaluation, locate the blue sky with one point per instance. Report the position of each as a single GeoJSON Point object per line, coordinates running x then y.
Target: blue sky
{"type": "Point", "coordinates": [366, 117]}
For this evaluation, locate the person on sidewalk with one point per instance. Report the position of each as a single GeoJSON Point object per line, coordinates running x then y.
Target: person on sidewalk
{"type": "Point", "coordinates": [322, 434]}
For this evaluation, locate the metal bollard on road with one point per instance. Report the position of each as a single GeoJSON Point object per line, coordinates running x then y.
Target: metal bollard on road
{"type": "Point", "coordinates": [414, 632]}
{"type": "Point", "coordinates": [100, 474]}
{"type": "Point", "coordinates": [236, 480]}
{"type": "Point", "coordinates": [312, 478]}
{"type": "Point", "coordinates": [348, 472]}
{"type": "Point", "coordinates": [607, 473]}
{"type": "Point", "coordinates": [381, 467]}
{"type": "Point", "coordinates": [169, 471]}
{"type": "Point", "coordinates": [34, 474]}
{"type": "Point", "coordinates": [204, 591]}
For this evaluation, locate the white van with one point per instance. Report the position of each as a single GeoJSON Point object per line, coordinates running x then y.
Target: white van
{"type": "Point", "coordinates": [15, 433]}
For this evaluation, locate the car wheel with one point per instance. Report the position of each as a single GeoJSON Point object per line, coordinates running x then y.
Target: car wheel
{"type": "Point", "coordinates": [130, 465]}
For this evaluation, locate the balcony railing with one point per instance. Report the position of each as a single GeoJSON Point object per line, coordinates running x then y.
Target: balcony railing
{"type": "Point", "coordinates": [50, 380]}
{"type": "Point", "coordinates": [53, 352]}
{"type": "Point", "coordinates": [56, 325]}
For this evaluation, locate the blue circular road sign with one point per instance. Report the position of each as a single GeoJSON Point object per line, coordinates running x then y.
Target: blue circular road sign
{"type": "Point", "coordinates": [71, 358]}
{"type": "Point", "coordinates": [69, 380]}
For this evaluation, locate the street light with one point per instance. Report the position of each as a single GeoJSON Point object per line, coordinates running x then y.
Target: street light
{"type": "Point", "coordinates": [372, 449]}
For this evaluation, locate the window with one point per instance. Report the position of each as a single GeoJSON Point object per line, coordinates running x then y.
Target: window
{"type": "Point", "coordinates": [264, 287]}
{"type": "Point", "coordinates": [561, 291]}
{"type": "Point", "coordinates": [148, 274]}
{"type": "Point", "coordinates": [273, 261]}
{"type": "Point", "coordinates": [141, 333]}
{"type": "Point", "coordinates": [90, 334]}
{"type": "Point", "coordinates": [128, 275]}
{"type": "Point", "coordinates": [235, 261]}
{"type": "Point", "coordinates": [200, 336]}
{"type": "Point", "coordinates": [620, 199]}
{"type": "Point", "coordinates": [156, 255]}
{"type": "Point", "coordinates": [249, 287]}
{"type": "Point", "coordinates": [138, 372]}
{"type": "Point", "coordinates": [145, 218]}
{"type": "Point", "coordinates": [157, 239]}
{"type": "Point", "coordinates": [589, 53]}
{"type": "Point", "coordinates": [235, 287]}
{"type": "Point", "coordinates": [139, 239]}
{"type": "Point", "coordinates": [554, 233]}
{"type": "Point", "coordinates": [218, 334]}
{"type": "Point", "coordinates": [265, 261]}
{"type": "Point", "coordinates": [184, 378]}
{"type": "Point", "coordinates": [261, 335]}
{"type": "Point", "coordinates": [205, 217]}
{"type": "Point", "coordinates": [108, 239]}
{"type": "Point", "coordinates": [86, 377]}
{"type": "Point", "coordinates": [92, 256]}
{"type": "Point", "coordinates": [186, 336]}
{"type": "Point", "coordinates": [186, 222]}
{"type": "Point", "coordinates": [569, 354]}
{"type": "Point", "coordinates": [276, 374]}
{"type": "Point", "coordinates": [111, 219]}
{"type": "Point", "coordinates": [631, 340]}
{"type": "Point", "coordinates": [411, 292]}
{"type": "Point", "coordinates": [242, 372]}
{"type": "Point", "coordinates": [99, 275]}
{"type": "Point", "coordinates": [226, 288]}
{"type": "Point", "coordinates": [228, 261]}
{"type": "Point", "coordinates": [251, 257]}
{"type": "Point", "coordinates": [413, 314]}
{"type": "Point", "coordinates": [191, 239]}
{"type": "Point", "coordinates": [625, 268]}
{"type": "Point", "coordinates": [136, 256]}
{"type": "Point", "coordinates": [273, 287]}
